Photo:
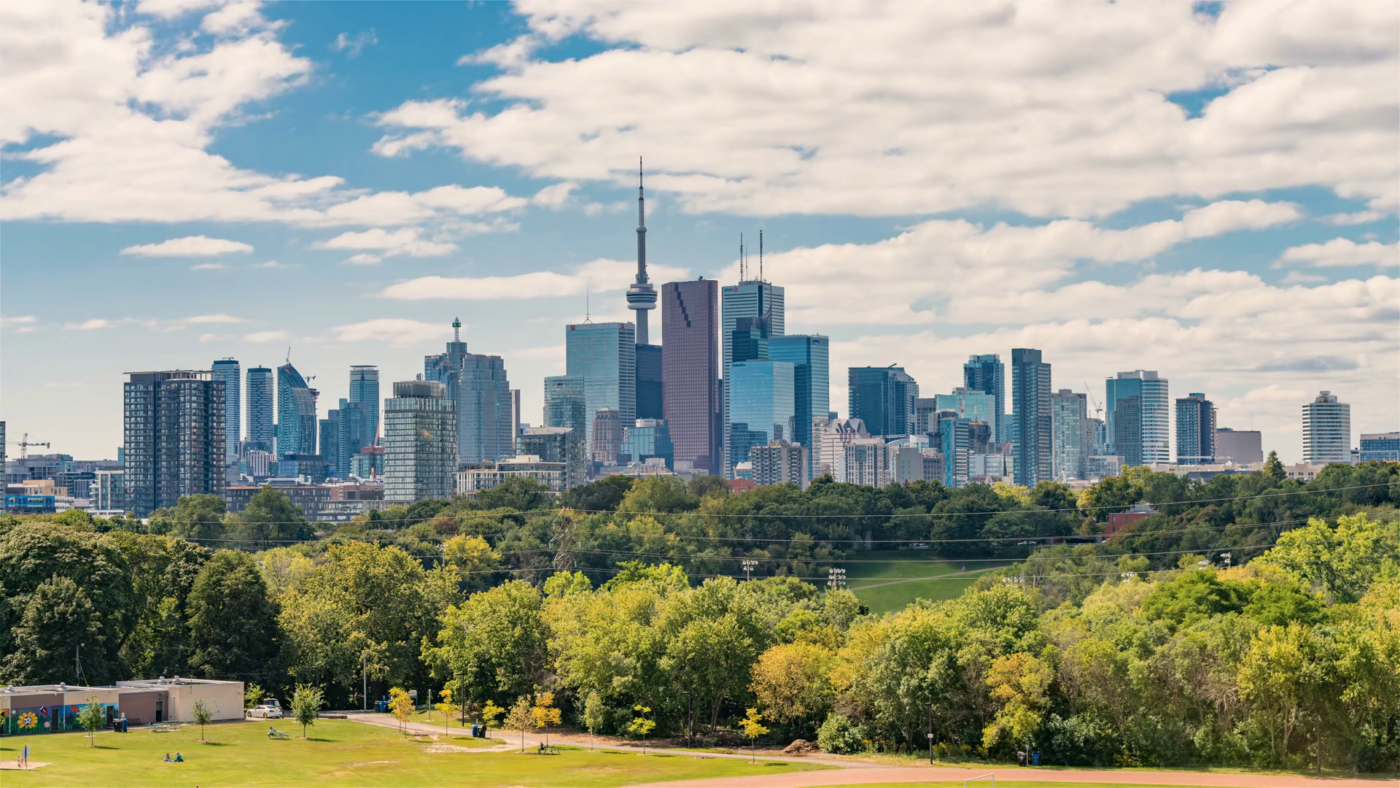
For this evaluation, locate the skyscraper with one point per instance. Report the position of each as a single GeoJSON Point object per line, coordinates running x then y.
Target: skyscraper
{"type": "Point", "coordinates": [565, 404]}
{"type": "Point", "coordinates": [173, 435]}
{"type": "Point", "coordinates": [558, 444]}
{"type": "Point", "coordinates": [607, 436]}
{"type": "Point", "coordinates": [1033, 424]}
{"type": "Point", "coordinates": [228, 371]}
{"type": "Point", "coordinates": [751, 312]}
{"type": "Point", "coordinates": [762, 407]}
{"type": "Point", "coordinates": [972, 404]}
{"type": "Point", "coordinates": [648, 439]}
{"type": "Point", "coordinates": [1073, 442]}
{"type": "Point", "coordinates": [355, 425]}
{"type": "Point", "coordinates": [480, 394]}
{"type": "Point", "coordinates": [650, 383]}
{"type": "Point", "coordinates": [987, 374]}
{"type": "Point", "coordinates": [420, 442]}
{"type": "Point", "coordinates": [1326, 430]}
{"type": "Point", "coordinates": [1139, 421]}
{"type": "Point", "coordinates": [262, 427]}
{"type": "Point", "coordinates": [296, 413]}
{"type": "Point", "coordinates": [808, 354]}
{"type": "Point", "coordinates": [364, 387]}
{"type": "Point", "coordinates": [604, 355]}
{"type": "Point", "coordinates": [1195, 430]}
{"type": "Point", "coordinates": [330, 442]}
{"type": "Point", "coordinates": [883, 398]}
{"type": "Point", "coordinates": [690, 372]}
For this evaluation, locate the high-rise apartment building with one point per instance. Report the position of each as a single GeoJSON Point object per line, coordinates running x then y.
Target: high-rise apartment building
{"type": "Point", "coordinates": [330, 442]}
{"type": "Point", "coordinates": [174, 440]}
{"type": "Point", "coordinates": [883, 398]}
{"type": "Point", "coordinates": [229, 371]}
{"type": "Point", "coordinates": [780, 462]}
{"type": "Point", "coordinates": [355, 422]}
{"type": "Point", "coordinates": [969, 403]}
{"type": "Point", "coordinates": [832, 435]}
{"type": "Point", "coordinates": [690, 373]}
{"type": "Point", "coordinates": [558, 444]}
{"type": "Point", "coordinates": [607, 436]}
{"type": "Point", "coordinates": [480, 394]}
{"type": "Point", "coordinates": [296, 413]}
{"type": "Point", "coordinates": [1073, 441]}
{"type": "Point", "coordinates": [986, 373]}
{"type": "Point", "coordinates": [811, 371]}
{"type": "Point", "coordinates": [420, 442]}
{"type": "Point", "coordinates": [1139, 419]}
{"type": "Point", "coordinates": [761, 406]}
{"type": "Point", "coordinates": [604, 356]}
{"type": "Point", "coordinates": [1195, 430]}
{"type": "Point", "coordinates": [1032, 423]}
{"type": "Point", "coordinates": [1326, 430]}
{"type": "Point", "coordinates": [364, 388]}
{"type": "Point", "coordinates": [1242, 447]}
{"type": "Point", "coordinates": [262, 399]}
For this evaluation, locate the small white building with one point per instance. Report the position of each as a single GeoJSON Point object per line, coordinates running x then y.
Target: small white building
{"type": "Point", "coordinates": [174, 698]}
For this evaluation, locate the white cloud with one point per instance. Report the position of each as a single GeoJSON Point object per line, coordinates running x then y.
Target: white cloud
{"type": "Point", "coordinates": [191, 246]}
{"type": "Point", "coordinates": [407, 241]}
{"type": "Point", "coordinates": [1300, 278]}
{"type": "Point", "coordinates": [1231, 215]}
{"type": "Point", "coordinates": [1342, 252]}
{"type": "Point", "coordinates": [598, 276]}
{"type": "Point", "coordinates": [235, 17]}
{"type": "Point", "coordinates": [364, 258]}
{"type": "Point", "coordinates": [19, 324]}
{"type": "Point", "coordinates": [266, 336]}
{"type": "Point", "coordinates": [169, 9]}
{"type": "Point", "coordinates": [209, 267]}
{"type": "Point", "coordinates": [1359, 217]}
{"type": "Point", "coordinates": [396, 332]}
{"type": "Point", "coordinates": [353, 45]}
{"type": "Point", "coordinates": [896, 108]}
{"type": "Point", "coordinates": [274, 264]}
{"type": "Point", "coordinates": [91, 324]}
{"type": "Point", "coordinates": [555, 195]}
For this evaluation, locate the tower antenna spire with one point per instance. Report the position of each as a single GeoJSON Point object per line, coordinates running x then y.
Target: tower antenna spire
{"type": "Point", "coordinates": [587, 309]}
{"type": "Point", "coordinates": [741, 257]}
{"type": "Point", "coordinates": [760, 255]}
{"type": "Point", "coordinates": [641, 295]}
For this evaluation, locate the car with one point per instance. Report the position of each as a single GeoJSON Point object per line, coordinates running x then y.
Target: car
{"type": "Point", "coordinates": [269, 709]}
{"type": "Point", "coordinates": [918, 546]}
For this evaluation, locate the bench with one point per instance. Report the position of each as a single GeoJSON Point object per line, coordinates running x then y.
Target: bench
{"type": "Point", "coordinates": [276, 734]}
{"type": "Point", "coordinates": [550, 750]}
{"type": "Point", "coordinates": [165, 727]}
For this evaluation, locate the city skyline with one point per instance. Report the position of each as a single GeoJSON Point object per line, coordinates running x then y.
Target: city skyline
{"type": "Point", "coordinates": [1259, 288]}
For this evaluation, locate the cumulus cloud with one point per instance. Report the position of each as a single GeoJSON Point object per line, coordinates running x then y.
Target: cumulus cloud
{"type": "Point", "coordinates": [352, 45]}
{"type": "Point", "coordinates": [19, 324]}
{"type": "Point", "coordinates": [91, 324]}
{"type": "Point", "coordinates": [1341, 252]}
{"type": "Point", "coordinates": [191, 246]}
{"type": "Point", "coordinates": [209, 267]}
{"type": "Point", "coordinates": [396, 332]}
{"type": "Point", "coordinates": [266, 336]}
{"type": "Point", "coordinates": [389, 243]}
{"type": "Point", "coordinates": [597, 276]}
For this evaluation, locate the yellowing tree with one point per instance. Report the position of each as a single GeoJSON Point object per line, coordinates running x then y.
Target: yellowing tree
{"type": "Point", "coordinates": [401, 706]}
{"type": "Point", "coordinates": [753, 729]}
{"type": "Point", "coordinates": [1019, 685]}
{"type": "Point", "coordinates": [472, 559]}
{"type": "Point", "coordinates": [791, 681]}
{"type": "Point", "coordinates": [521, 717]}
{"type": "Point", "coordinates": [640, 726]}
{"type": "Point", "coordinates": [545, 714]}
{"type": "Point", "coordinates": [445, 707]}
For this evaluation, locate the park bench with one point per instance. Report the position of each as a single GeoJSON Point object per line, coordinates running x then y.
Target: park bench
{"type": "Point", "coordinates": [276, 734]}
{"type": "Point", "coordinates": [165, 727]}
{"type": "Point", "coordinates": [550, 750]}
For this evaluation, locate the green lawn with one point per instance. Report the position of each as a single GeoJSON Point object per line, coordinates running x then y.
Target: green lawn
{"type": "Point", "coordinates": [339, 753]}
{"type": "Point", "coordinates": [926, 576]}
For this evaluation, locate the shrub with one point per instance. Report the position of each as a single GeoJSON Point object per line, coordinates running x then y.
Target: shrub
{"type": "Point", "coordinates": [840, 736]}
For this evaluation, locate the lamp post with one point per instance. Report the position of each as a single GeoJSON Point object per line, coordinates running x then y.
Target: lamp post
{"type": "Point", "coordinates": [364, 674]}
{"type": "Point", "coordinates": [930, 749]}
{"type": "Point", "coordinates": [749, 565]}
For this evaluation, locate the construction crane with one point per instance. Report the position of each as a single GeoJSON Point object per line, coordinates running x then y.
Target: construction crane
{"type": "Point", "coordinates": [1088, 392]}
{"type": "Point", "coordinates": [24, 445]}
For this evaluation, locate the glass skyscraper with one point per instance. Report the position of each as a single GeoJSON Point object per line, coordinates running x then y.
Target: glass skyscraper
{"type": "Point", "coordinates": [480, 393]}
{"type": "Point", "coordinates": [1032, 429]}
{"type": "Point", "coordinates": [604, 355]}
{"type": "Point", "coordinates": [690, 372]}
{"type": "Point", "coordinates": [262, 426]}
{"type": "Point", "coordinates": [809, 356]}
{"type": "Point", "coordinates": [1073, 443]}
{"type": "Point", "coordinates": [296, 413]}
{"type": "Point", "coordinates": [987, 374]}
{"type": "Point", "coordinates": [229, 371]}
{"type": "Point", "coordinates": [762, 406]}
{"type": "Point", "coordinates": [971, 404]}
{"type": "Point", "coordinates": [355, 423]}
{"type": "Point", "coordinates": [420, 443]}
{"type": "Point", "coordinates": [883, 398]}
{"type": "Point", "coordinates": [647, 439]}
{"type": "Point", "coordinates": [650, 397]}
{"type": "Point", "coordinates": [565, 404]}
{"type": "Point", "coordinates": [751, 312]}
{"type": "Point", "coordinates": [1195, 430]}
{"type": "Point", "coordinates": [173, 437]}
{"type": "Point", "coordinates": [1139, 419]}
{"type": "Point", "coordinates": [364, 388]}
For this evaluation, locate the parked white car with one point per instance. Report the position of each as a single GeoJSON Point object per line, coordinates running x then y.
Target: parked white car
{"type": "Point", "coordinates": [269, 709]}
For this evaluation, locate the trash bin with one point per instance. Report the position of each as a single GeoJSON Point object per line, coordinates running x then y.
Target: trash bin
{"type": "Point", "coordinates": [381, 706]}
{"type": "Point", "coordinates": [1035, 758]}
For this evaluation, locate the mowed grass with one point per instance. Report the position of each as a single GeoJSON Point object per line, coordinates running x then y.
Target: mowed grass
{"type": "Point", "coordinates": [339, 753]}
{"type": "Point", "coordinates": [922, 576]}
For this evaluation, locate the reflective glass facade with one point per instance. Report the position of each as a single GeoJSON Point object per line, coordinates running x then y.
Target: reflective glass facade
{"type": "Point", "coordinates": [364, 388]}
{"type": "Point", "coordinates": [971, 404]}
{"type": "Point", "coordinates": [690, 372]}
{"type": "Point", "coordinates": [296, 413]}
{"type": "Point", "coordinates": [565, 404]}
{"type": "Point", "coordinates": [1195, 430]}
{"type": "Point", "coordinates": [229, 372]}
{"type": "Point", "coordinates": [650, 398]}
{"type": "Point", "coordinates": [762, 407]}
{"type": "Point", "coordinates": [809, 355]}
{"type": "Point", "coordinates": [262, 426]}
{"type": "Point", "coordinates": [646, 439]}
{"type": "Point", "coordinates": [480, 392]}
{"type": "Point", "coordinates": [604, 355]}
{"type": "Point", "coordinates": [883, 399]}
{"type": "Point", "coordinates": [987, 374]}
{"type": "Point", "coordinates": [1032, 424]}
{"type": "Point", "coordinates": [1139, 418]}
{"type": "Point", "coordinates": [420, 442]}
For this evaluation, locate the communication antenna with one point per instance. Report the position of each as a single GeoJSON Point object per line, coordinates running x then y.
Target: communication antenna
{"type": "Point", "coordinates": [289, 354]}
{"type": "Point", "coordinates": [741, 257]}
{"type": "Point", "coordinates": [760, 256]}
{"type": "Point", "coordinates": [587, 308]}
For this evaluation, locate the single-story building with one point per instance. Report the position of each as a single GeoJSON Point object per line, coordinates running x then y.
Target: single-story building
{"type": "Point", "coordinates": [51, 708]}
{"type": "Point", "coordinates": [164, 700]}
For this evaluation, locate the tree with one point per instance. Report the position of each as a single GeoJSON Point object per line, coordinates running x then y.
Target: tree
{"type": "Point", "coordinates": [203, 715]}
{"type": "Point", "coordinates": [1340, 562]}
{"type": "Point", "coordinates": [545, 714]}
{"type": "Point", "coordinates": [752, 730]}
{"type": "Point", "coordinates": [194, 517]}
{"type": "Point", "coordinates": [401, 706]}
{"type": "Point", "coordinates": [641, 726]}
{"type": "Point", "coordinates": [270, 516]}
{"type": "Point", "coordinates": [233, 624]}
{"type": "Point", "coordinates": [445, 706]}
{"type": "Point", "coordinates": [472, 560]}
{"type": "Point", "coordinates": [496, 640]}
{"type": "Point", "coordinates": [306, 702]}
{"type": "Point", "coordinates": [521, 716]}
{"type": "Point", "coordinates": [253, 695]}
{"type": "Point", "coordinates": [92, 716]}
{"type": "Point", "coordinates": [594, 715]}
{"type": "Point", "coordinates": [1019, 684]}
{"type": "Point", "coordinates": [791, 681]}
{"type": "Point", "coordinates": [490, 712]}
{"type": "Point", "coordinates": [1273, 468]}
{"type": "Point", "coordinates": [57, 617]}
{"type": "Point", "coordinates": [516, 493]}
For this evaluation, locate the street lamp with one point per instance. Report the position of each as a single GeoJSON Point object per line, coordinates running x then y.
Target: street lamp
{"type": "Point", "coordinates": [930, 749]}
{"type": "Point", "coordinates": [750, 564]}
{"type": "Point", "coordinates": [835, 578]}
{"type": "Point", "coordinates": [689, 716]}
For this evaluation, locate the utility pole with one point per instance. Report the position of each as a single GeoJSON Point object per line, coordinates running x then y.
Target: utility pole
{"type": "Point", "coordinates": [749, 565]}
{"type": "Point", "coordinates": [78, 663]}
{"type": "Point", "coordinates": [364, 673]}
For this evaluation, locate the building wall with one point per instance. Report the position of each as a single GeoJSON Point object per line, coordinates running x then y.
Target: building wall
{"type": "Point", "coordinates": [1243, 446]}
{"type": "Point", "coordinates": [262, 426]}
{"type": "Point", "coordinates": [761, 406]}
{"type": "Point", "coordinates": [1073, 441]}
{"type": "Point", "coordinates": [173, 428]}
{"type": "Point", "coordinates": [1326, 430]}
{"type": "Point", "coordinates": [420, 443]}
{"type": "Point", "coordinates": [1195, 430]}
{"type": "Point", "coordinates": [1033, 424]}
{"type": "Point", "coordinates": [1139, 420]}
{"type": "Point", "coordinates": [754, 308]}
{"type": "Point", "coordinates": [987, 374]}
{"type": "Point", "coordinates": [604, 355]}
{"type": "Point", "coordinates": [810, 356]}
{"type": "Point", "coordinates": [690, 372]}
{"type": "Point", "coordinates": [883, 398]}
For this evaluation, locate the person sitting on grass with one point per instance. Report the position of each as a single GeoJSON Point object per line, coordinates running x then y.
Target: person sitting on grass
{"type": "Point", "coordinates": [178, 759]}
{"type": "Point", "coordinates": [167, 758]}
{"type": "Point", "coordinates": [271, 731]}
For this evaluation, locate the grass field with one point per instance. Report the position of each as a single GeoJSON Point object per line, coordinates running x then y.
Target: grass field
{"type": "Point", "coordinates": [339, 753]}
{"type": "Point", "coordinates": [923, 576]}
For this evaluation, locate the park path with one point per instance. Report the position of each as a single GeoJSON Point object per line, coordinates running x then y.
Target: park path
{"type": "Point", "coordinates": [919, 774]}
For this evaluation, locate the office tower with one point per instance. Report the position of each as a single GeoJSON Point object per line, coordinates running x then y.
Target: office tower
{"type": "Point", "coordinates": [690, 373]}
{"type": "Point", "coordinates": [1099, 429]}
{"type": "Point", "coordinates": [368, 462]}
{"type": "Point", "coordinates": [811, 376]}
{"type": "Point", "coordinates": [1195, 430]}
{"type": "Point", "coordinates": [262, 427]}
{"type": "Point", "coordinates": [229, 371]}
{"type": "Point", "coordinates": [1032, 428]}
{"type": "Point", "coordinates": [109, 491]}
{"type": "Point", "coordinates": [831, 437]}
{"type": "Point", "coordinates": [969, 403]}
{"type": "Point", "coordinates": [1073, 441]}
{"type": "Point", "coordinates": [650, 382]}
{"type": "Point", "coordinates": [517, 417]}
{"type": "Point", "coordinates": [761, 407]}
{"type": "Point", "coordinates": [420, 442]}
{"type": "Point", "coordinates": [364, 388]}
{"type": "Point", "coordinates": [641, 296]}
{"type": "Point", "coordinates": [565, 404]}
{"type": "Point", "coordinates": [296, 414]}
{"type": "Point", "coordinates": [480, 394]}
{"type": "Point", "coordinates": [604, 356]}
{"type": "Point", "coordinates": [648, 439]}
{"type": "Point", "coordinates": [1375, 447]}
{"type": "Point", "coordinates": [780, 462]}
{"type": "Point", "coordinates": [1139, 421]}
{"type": "Point", "coordinates": [1326, 430]}
{"type": "Point", "coordinates": [987, 374]}
{"type": "Point", "coordinates": [330, 442]}
{"type": "Point", "coordinates": [607, 436]}
{"type": "Point", "coordinates": [558, 444]}
{"type": "Point", "coordinates": [3, 444]}
{"type": "Point", "coordinates": [174, 440]}
{"type": "Point", "coordinates": [1242, 447]}
{"type": "Point", "coordinates": [955, 444]}
{"type": "Point", "coordinates": [883, 398]}
{"type": "Point", "coordinates": [751, 313]}
{"type": "Point", "coordinates": [356, 424]}
{"type": "Point", "coordinates": [913, 462]}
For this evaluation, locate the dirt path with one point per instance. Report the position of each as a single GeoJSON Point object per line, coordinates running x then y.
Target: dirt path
{"type": "Point", "coordinates": [917, 774]}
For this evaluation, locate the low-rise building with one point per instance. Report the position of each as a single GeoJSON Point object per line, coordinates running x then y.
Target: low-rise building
{"type": "Point", "coordinates": [474, 477]}
{"type": "Point", "coordinates": [1379, 447]}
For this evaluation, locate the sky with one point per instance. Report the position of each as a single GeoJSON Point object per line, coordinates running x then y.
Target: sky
{"type": "Point", "coordinates": [1209, 190]}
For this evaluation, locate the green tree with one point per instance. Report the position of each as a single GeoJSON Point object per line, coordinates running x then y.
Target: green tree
{"type": "Point", "coordinates": [203, 715]}
{"type": "Point", "coordinates": [520, 718]}
{"type": "Point", "coordinates": [270, 516]}
{"type": "Point", "coordinates": [1340, 562]}
{"type": "Point", "coordinates": [472, 560]}
{"type": "Point", "coordinates": [1273, 469]}
{"type": "Point", "coordinates": [595, 715]}
{"type": "Point", "coordinates": [602, 495]}
{"type": "Point", "coordinates": [91, 717]}
{"type": "Point", "coordinates": [516, 493]}
{"type": "Point", "coordinates": [232, 622]}
{"type": "Point", "coordinates": [253, 695]}
{"type": "Point", "coordinates": [194, 517]}
{"type": "Point", "coordinates": [163, 571]}
{"type": "Point", "coordinates": [1195, 595]}
{"type": "Point", "coordinates": [57, 617]}
{"type": "Point", "coordinates": [496, 641]}
{"type": "Point", "coordinates": [752, 730]}
{"type": "Point", "coordinates": [306, 704]}
{"type": "Point", "coordinates": [641, 726]}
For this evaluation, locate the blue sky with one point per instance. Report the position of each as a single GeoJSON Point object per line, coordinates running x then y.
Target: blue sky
{"type": "Point", "coordinates": [1209, 195]}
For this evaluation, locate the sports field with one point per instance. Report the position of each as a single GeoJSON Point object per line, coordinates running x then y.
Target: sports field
{"type": "Point", "coordinates": [339, 753]}
{"type": "Point", "coordinates": [894, 578]}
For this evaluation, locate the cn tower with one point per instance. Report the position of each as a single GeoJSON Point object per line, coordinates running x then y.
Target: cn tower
{"type": "Point", "coordinates": [641, 296]}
